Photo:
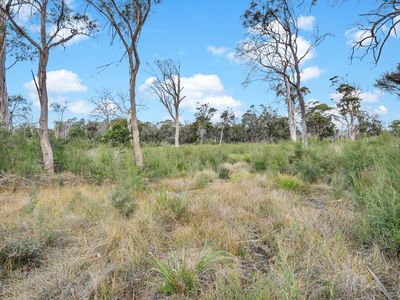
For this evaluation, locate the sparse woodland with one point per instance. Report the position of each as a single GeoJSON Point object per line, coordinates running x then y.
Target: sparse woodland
{"type": "Point", "coordinates": [304, 205]}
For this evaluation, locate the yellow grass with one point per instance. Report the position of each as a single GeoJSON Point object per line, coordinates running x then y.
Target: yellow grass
{"type": "Point", "coordinates": [284, 244]}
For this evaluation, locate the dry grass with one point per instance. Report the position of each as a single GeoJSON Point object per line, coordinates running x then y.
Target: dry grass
{"type": "Point", "coordinates": [284, 244]}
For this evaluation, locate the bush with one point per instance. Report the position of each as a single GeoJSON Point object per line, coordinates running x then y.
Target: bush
{"type": "Point", "coordinates": [177, 276]}
{"type": "Point", "coordinates": [203, 178]}
{"type": "Point", "coordinates": [20, 152]}
{"type": "Point", "coordinates": [289, 183]}
{"type": "Point", "coordinates": [118, 134]}
{"type": "Point", "coordinates": [122, 200]}
{"type": "Point", "coordinates": [15, 253]}
{"type": "Point", "coordinates": [223, 172]}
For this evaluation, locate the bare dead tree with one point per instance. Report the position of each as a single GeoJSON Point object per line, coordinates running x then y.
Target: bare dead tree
{"type": "Point", "coordinates": [126, 19]}
{"type": "Point", "coordinates": [378, 26]}
{"type": "Point", "coordinates": [272, 51]}
{"type": "Point", "coordinates": [168, 88]}
{"type": "Point", "coordinates": [58, 25]}
{"type": "Point", "coordinates": [268, 58]}
{"type": "Point", "coordinates": [109, 106]}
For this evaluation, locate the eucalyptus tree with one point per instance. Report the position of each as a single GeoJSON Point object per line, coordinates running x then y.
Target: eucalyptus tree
{"type": "Point", "coordinates": [349, 107]}
{"type": "Point", "coordinates": [126, 19]}
{"type": "Point", "coordinates": [4, 113]}
{"type": "Point", "coordinates": [203, 115]}
{"type": "Point", "coordinates": [227, 118]}
{"type": "Point", "coordinates": [20, 111]}
{"type": "Point", "coordinates": [390, 82]}
{"type": "Point", "coordinates": [168, 88]}
{"type": "Point", "coordinates": [275, 50]}
{"type": "Point", "coordinates": [57, 25]}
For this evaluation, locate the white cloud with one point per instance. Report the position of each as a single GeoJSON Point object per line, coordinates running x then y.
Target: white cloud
{"type": "Point", "coordinates": [365, 96]}
{"type": "Point", "coordinates": [310, 73]}
{"type": "Point", "coordinates": [303, 49]}
{"type": "Point", "coordinates": [355, 35]}
{"type": "Point", "coordinates": [145, 87]}
{"type": "Point", "coordinates": [201, 88]}
{"type": "Point", "coordinates": [217, 50]}
{"type": "Point", "coordinates": [80, 107]}
{"type": "Point", "coordinates": [60, 82]}
{"type": "Point", "coordinates": [381, 110]}
{"type": "Point", "coordinates": [306, 22]}
{"type": "Point", "coordinates": [371, 96]}
{"type": "Point", "coordinates": [228, 53]}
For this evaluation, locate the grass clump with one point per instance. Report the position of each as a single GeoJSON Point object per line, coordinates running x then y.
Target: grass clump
{"type": "Point", "coordinates": [203, 178]}
{"type": "Point", "coordinates": [176, 207]}
{"type": "Point", "coordinates": [179, 276]}
{"type": "Point", "coordinates": [289, 183]}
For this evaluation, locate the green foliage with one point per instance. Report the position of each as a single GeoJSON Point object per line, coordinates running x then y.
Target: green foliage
{"type": "Point", "coordinates": [176, 207]}
{"type": "Point", "coordinates": [289, 183]}
{"type": "Point", "coordinates": [178, 276]}
{"type": "Point", "coordinates": [203, 178]}
{"type": "Point", "coordinates": [118, 134]}
{"type": "Point", "coordinates": [20, 152]}
{"type": "Point", "coordinates": [123, 200]}
{"type": "Point", "coordinates": [17, 252]}
{"type": "Point", "coordinates": [377, 189]}
{"type": "Point", "coordinates": [223, 172]}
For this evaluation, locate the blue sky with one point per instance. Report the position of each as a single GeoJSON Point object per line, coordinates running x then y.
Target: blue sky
{"type": "Point", "coordinates": [203, 36]}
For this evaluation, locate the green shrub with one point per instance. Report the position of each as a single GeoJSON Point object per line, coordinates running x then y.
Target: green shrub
{"type": "Point", "coordinates": [122, 200]}
{"type": "Point", "coordinates": [223, 172]}
{"type": "Point", "coordinates": [289, 183]}
{"type": "Point", "coordinates": [118, 134]}
{"type": "Point", "coordinates": [203, 178]}
{"type": "Point", "coordinates": [178, 276]}
{"type": "Point", "coordinates": [15, 253]}
{"type": "Point", "coordinates": [20, 152]}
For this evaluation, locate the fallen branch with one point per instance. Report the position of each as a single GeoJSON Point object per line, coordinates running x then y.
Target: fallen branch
{"type": "Point", "coordinates": [380, 285]}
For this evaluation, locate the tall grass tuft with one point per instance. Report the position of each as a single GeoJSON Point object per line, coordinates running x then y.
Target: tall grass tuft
{"type": "Point", "coordinates": [178, 276]}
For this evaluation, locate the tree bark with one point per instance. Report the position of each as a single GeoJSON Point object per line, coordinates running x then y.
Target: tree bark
{"type": "Point", "coordinates": [4, 112]}
{"type": "Point", "coordinates": [47, 151]}
{"type": "Point", "coordinates": [177, 130]}
{"type": "Point", "coordinates": [291, 112]}
{"type": "Point", "coordinates": [133, 70]}
{"type": "Point", "coordinates": [304, 134]}
{"type": "Point", "coordinates": [221, 136]}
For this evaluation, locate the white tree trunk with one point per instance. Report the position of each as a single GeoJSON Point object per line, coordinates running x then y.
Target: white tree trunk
{"type": "Point", "coordinates": [4, 112]}
{"type": "Point", "coordinates": [177, 130]}
{"type": "Point", "coordinates": [291, 112]}
{"type": "Point", "coordinates": [134, 121]}
{"type": "Point", "coordinates": [47, 150]}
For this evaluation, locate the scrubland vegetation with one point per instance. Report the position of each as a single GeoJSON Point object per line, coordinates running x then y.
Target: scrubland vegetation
{"type": "Point", "coordinates": [245, 221]}
{"type": "Point", "coordinates": [106, 208]}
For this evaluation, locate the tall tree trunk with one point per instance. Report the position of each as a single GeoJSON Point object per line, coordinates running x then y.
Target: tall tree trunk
{"type": "Point", "coordinates": [304, 134]}
{"type": "Point", "coordinates": [45, 144]}
{"type": "Point", "coordinates": [177, 130]}
{"type": "Point", "coordinates": [4, 112]}
{"type": "Point", "coordinates": [133, 70]}
{"type": "Point", "coordinates": [291, 112]}
{"type": "Point", "coordinates": [221, 136]}
{"type": "Point", "coordinates": [352, 130]}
